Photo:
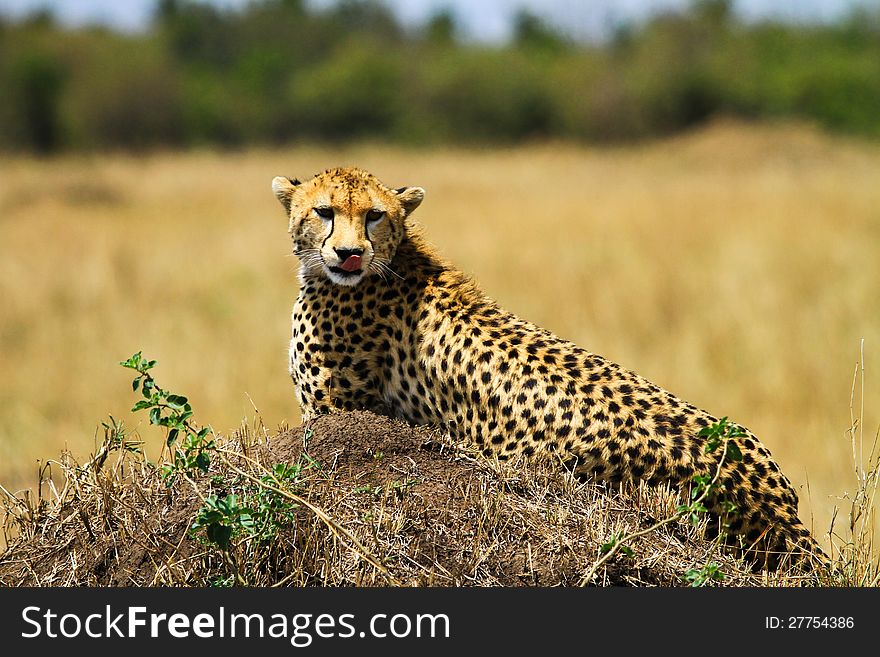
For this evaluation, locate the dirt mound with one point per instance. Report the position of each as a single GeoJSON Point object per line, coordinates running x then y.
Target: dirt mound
{"type": "Point", "coordinates": [379, 503]}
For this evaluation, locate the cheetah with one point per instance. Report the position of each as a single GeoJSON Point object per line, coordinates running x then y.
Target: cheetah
{"type": "Point", "coordinates": [382, 322]}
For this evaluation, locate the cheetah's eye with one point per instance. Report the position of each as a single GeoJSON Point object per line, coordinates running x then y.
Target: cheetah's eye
{"type": "Point", "coordinates": [375, 215]}
{"type": "Point", "coordinates": [324, 213]}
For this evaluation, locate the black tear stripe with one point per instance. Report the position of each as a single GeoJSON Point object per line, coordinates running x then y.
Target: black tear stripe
{"type": "Point", "coordinates": [332, 228]}
{"type": "Point", "coordinates": [367, 235]}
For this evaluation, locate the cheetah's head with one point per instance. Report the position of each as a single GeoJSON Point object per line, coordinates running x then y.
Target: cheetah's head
{"type": "Point", "coordinates": [345, 223]}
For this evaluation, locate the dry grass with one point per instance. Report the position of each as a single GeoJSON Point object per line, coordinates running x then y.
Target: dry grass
{"type": "Point", "coordinates": [736, 267]}
{"type": "Point", "coordinates": [389, 505]}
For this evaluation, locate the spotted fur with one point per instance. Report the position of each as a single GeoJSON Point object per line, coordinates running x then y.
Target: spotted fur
{"type": "Point", "coordinates": [411, 336]}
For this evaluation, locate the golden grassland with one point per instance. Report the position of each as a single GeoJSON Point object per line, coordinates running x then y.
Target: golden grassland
{"type": "Point", "coordinates": [738, 266]}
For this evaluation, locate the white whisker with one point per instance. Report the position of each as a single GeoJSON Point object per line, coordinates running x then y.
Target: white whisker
{"type": "Point", "coordinates": [376, 266]}
{"type": "Point", "coordinates": [383, 264]}
{"type": "Point", "coordinates": [310, 261]}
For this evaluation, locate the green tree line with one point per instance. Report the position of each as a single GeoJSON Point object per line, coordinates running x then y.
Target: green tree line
{"type": "Point", "coordinates": [280, 71]}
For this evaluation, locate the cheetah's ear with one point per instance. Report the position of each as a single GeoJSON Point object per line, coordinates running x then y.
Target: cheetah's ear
{"type": "Point", "coordinates": [410, 197]}
{"type": "Point", "coordinates": [283, 188]}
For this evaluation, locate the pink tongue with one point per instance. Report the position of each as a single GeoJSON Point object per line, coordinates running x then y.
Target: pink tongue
{"type": "Point", "coordinates": [352, 263]}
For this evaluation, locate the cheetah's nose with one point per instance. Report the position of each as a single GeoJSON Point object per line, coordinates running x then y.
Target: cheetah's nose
{"type": "Point", "coordinates": [350, 259]}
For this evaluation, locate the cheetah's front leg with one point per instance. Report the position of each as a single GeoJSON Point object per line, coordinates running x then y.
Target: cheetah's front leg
{"type": "Point", "coordinates": [324, 385]}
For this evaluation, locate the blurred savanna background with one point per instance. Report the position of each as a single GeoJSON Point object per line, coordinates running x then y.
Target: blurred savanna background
{"type": "Point", "coordinates": [690, 188]}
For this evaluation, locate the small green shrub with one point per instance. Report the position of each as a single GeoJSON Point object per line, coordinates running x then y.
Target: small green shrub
{"type": "Point", "coordinates": [246, 508]}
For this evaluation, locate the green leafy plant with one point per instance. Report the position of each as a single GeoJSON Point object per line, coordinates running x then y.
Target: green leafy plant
{"type": "Point", "coordinates": [709, 572]}
{"type": "Point", "coordinates": [220, 517]}
{"type": "Point", "coordinates": [718, 435]}
{"type": "Point", "coordinates": [723, 432]}
{"type": "Point", "coordinates": [192, 452]}
{"type": "Point", "coordinates": [273, 511]}
{"type": "Point", "coordinates": [259, 511]}
{"type": "Point", "coordinates": [614, 543]}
